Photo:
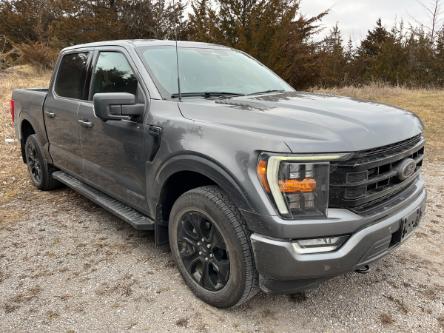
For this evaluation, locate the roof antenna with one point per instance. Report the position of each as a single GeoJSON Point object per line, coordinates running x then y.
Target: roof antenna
{"type": "Point", "coordinates": [177, 53]}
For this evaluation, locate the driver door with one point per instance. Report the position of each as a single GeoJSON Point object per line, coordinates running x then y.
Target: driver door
{"type": "Point", "coordinates": [115, 152]}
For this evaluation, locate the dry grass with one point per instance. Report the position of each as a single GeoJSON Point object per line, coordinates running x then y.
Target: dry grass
{"type": "Point", "coordinates": [426, 103]}
{"type": "Point", "coordinates": [13, 178]}
{"type": "Point", "coordinates": [17, 77]}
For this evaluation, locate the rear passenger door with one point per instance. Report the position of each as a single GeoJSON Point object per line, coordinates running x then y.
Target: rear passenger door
{"type": "Point", "coordinates": [70, 86]}
{"type": "Point", "coordinates": [114, 152]}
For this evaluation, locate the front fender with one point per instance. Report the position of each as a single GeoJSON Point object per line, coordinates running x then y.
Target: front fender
{"type": "Point", "coordinates": [206, 167]}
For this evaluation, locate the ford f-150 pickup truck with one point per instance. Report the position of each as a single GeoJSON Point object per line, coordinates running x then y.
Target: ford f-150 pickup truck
{"type": "Point", "coordinates": [253, 185]}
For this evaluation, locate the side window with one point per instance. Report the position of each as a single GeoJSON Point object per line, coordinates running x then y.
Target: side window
{"type": "Point", "coordinates": [71, 77]}
{"type": "Point", "coordinates": [114, 74]}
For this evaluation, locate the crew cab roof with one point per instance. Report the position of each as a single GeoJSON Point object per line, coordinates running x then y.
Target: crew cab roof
{"type": "Point", "coordinates": [143, 42]}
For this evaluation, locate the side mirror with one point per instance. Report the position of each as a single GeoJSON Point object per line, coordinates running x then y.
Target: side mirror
{"type": "Point", "coordinates": [117, 106]}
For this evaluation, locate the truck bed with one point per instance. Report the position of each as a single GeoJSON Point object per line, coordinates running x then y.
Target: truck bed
{"type": "Point", "coordinates": [30, 94]}
{"type": "Point", "coordinates": [29, 99]}
{"type": "Point", "coordinates": [29, 106]}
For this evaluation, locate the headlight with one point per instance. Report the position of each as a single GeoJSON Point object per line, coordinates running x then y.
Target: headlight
{"type": "Point", "coordinates": [298, 185]}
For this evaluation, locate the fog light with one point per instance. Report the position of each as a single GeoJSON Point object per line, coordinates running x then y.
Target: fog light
{"type": "Point", "coordinates": [319, 245]}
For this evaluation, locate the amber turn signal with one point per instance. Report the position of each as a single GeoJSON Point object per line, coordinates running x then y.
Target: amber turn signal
{"type": "Point", "coordinates": [306, 185]}
{"type": "Point", "coordinates": [262, 174]}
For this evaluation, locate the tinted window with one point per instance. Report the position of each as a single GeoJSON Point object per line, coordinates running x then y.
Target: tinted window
{"type": "Point", "coordinates": [114, 74]}
{"type": "Point", "coordinates": [71, 76]}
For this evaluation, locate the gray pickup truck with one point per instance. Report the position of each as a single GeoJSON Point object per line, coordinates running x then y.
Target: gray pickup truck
{"type": "Point", "coordinates": [252, 184]}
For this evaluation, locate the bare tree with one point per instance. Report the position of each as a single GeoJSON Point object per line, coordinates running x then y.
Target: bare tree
{"type": "Point", "coordinates": [434, 10]}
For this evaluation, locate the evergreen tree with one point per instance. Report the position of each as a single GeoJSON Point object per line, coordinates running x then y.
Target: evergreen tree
{"type": "Point", "coordinates": [372, 45]}
{"type": "Point", "coordinates": [272, 31]}
{"type": "Point", "coordinates": [421, 58]}
{"type": "Point", "coordinates": [334, 59]}
{"type": "Point", "coordinates": [380, 57]}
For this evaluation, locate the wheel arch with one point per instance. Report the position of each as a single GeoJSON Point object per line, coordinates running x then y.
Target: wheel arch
{"type": "Point", "coordinates": [184, 172]}
{"type": "Point", "coordinates": [30, 124]}
{"type": "Point", "coordinates": [26, 129]}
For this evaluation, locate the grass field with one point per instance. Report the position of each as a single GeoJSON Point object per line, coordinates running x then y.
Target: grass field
{"type": "Point", "coordinates": [13, 176]}
{"type": "Point", "coordinates": [428, 104]}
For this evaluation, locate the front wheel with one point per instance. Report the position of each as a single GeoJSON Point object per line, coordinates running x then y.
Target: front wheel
{"type": "Point", "coordinates": [211, 247]}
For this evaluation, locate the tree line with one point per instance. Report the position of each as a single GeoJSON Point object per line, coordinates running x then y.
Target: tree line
{"type": "Point", "coordinates": [273, 31]}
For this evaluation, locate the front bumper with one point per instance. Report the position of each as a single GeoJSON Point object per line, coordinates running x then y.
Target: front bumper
{"type": "Point", "coordinates": [283, 270]}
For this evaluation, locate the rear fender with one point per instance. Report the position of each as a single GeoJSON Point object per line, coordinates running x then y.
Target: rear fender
{"type": "Point", "coordinates": [40, 132]}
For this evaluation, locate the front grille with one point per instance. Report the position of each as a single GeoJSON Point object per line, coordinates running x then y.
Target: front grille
{"type": "Point", "coordinates": [371, 177]}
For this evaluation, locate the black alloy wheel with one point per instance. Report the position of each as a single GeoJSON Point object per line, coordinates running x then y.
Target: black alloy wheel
{"type": "Point", "coordinates": [211, 246]}
{"type": "Point", "coordinates": [39, 169]}
{"type": "Point", "coordinates": [203, 251]}
{"type": "Point", "coordinates": [33, 162]}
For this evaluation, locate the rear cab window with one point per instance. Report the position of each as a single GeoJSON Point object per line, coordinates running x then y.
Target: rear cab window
{"type": "Point", "coordinates": [72, 76]}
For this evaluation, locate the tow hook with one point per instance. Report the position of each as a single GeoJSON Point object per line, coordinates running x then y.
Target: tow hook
{"type": "Point", "coordinates": [363, 270]}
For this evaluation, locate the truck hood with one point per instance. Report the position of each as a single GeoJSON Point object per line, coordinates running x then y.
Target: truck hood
{"type": "Point", "coordinates": [309, 122]}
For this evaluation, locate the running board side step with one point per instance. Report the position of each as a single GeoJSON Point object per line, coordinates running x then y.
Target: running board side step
{"type": "Point", "coordinates": [137, 220]}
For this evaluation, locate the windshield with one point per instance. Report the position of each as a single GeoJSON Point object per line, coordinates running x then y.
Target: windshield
{"type": "Point", "coordinates": [210, 71]}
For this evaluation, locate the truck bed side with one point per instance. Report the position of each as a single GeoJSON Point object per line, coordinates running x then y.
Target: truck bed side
{"type": "Point", "coordinates": [29, 116]}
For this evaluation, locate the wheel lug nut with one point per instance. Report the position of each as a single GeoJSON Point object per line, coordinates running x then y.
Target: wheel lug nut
{"type": "Point", "coordinates": [198, 243]}
{"type": "Point", "coordinates": [200, 253]}
{"type": "Point", "coordinates": [211, 255]}
{"type": "Point", "coordinates": [208, 245]}
{"type": "Point", "coordinates": [206, 259]}
{"type": "Point", "coordinates": [203, 239]}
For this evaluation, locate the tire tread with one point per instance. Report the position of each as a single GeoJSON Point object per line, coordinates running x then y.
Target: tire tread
{"type": "Point", "coordinates": [48, 182]}
{"type": "Point", "coordinates": [214, 194]}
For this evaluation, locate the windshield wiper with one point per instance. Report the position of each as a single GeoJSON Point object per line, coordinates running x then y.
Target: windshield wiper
{"type": "Point", "coordinates": [207, 94]}
{"type": "Point", "coordinates": [267, 92]}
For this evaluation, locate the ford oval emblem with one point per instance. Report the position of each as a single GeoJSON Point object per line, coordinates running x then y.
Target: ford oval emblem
{"type": "Point", "coordinates": [406, 169]}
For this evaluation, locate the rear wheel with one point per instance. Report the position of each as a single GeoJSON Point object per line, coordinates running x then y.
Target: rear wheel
{"type": "Point", "coordinates": [211, 247]}
{"type": "Point", "coordinates": [38, 168]}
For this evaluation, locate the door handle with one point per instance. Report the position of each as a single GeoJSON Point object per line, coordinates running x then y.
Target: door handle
{"type": "Point", "coordinates": [85, 123]}
{"type": "Point", "coordinates": [50, 114]}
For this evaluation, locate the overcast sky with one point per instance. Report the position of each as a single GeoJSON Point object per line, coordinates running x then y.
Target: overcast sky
{"type": "Point", "coordinates": [356, 17]}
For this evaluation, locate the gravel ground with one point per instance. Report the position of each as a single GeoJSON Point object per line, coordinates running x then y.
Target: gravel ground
{"type": "Point", "coordinates": [66, 265]}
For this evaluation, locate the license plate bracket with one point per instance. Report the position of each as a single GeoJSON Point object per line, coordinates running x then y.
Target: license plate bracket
{"type": "Point", "coordinates": [410, 223]}
{"type": "Point", "coordinates": [407, 226]}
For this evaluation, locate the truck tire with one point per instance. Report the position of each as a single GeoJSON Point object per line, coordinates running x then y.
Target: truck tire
{"type": "Point", "coordinates": [211, 247]}
{"type": "Point", "coordinates": [39, 169]}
